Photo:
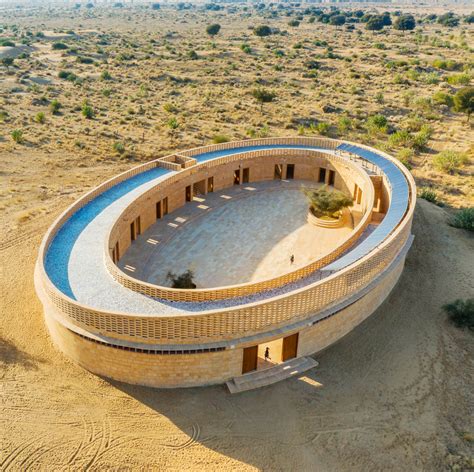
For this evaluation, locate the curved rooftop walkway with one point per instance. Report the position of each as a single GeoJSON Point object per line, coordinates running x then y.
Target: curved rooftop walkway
{"type": "Point", "coordinates": [74, 260]}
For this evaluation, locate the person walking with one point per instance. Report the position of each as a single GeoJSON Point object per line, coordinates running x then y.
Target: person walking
{"type": "Point", "coordinates": [267, 354]}
{"type": "Point", "coordinates": [292, 259]}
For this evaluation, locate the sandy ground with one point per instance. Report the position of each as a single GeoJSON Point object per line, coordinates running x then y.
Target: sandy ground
{"type": "Point", "coordinates": [393, 395]}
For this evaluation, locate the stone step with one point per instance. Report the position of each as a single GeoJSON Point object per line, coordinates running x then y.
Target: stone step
{"type": "Point", "coordinates": [261, 378]}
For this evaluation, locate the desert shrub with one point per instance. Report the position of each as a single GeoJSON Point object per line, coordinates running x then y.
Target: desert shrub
{"type": "Point", "coordinates": [172, 123]}
{"type": "Point", "coordinates": [323, 202]}
{"type": "Point", "coordinates": [312, 65]}
{"type": "Point", "coordinates": [213, 29]}
{"type": "Point", "coordinates": [66, 75]}
{"type": "Point", "coordinates": [246, 48]}
{"type": "Point", "coordinates": [220, 138]}
{"type": "Point", "coordinates": [7, 61]}
{"type": "Point", "coordinates": [375, 23]}
{"type": "Point", "coordinates": [84, 60]}
{"type": "Point", "coordinates": [323, 128]}
{"type": "Point", "coordinates": [87, 111]}
{"type": "Point", "coordinates": [118, 147]}
{"type": "Point", "coordinates": [193, 55]}
{"type": "Point", "coordinates": [263, 30]}
{"type": "Point", "coordinates": [294, 23]}
{"type": "Point", "coordinates": [449, 161]}
{"type": "Point", "coordinates": [464, 101]}
{"type": "Point", "coordinates": [263, 96]}
{"type": "Point", "coordinates": [421, 138]}
{"type": "Point", "coordinates": [405, 156]}
{"type": "Point", "coordinates": [400, 138]}
{"type": "Point", "coordinates": [40, 117]}
{"type": "Point", "coordinates": [105, 75]}
{"type": "Point", "coordinates": [17, 135]}
{"type": "Point", "coordinates": [443, 98]}
{"type": "Point", "coordinates": [430, 78]}
{"type": "Point", "coordinates": [463, 219]}
{"type": "Point", "coordinates": [344, 124]}
{"type": "Point", "coordinates": [405, 23]}
{"type": "Point", "coordinates": [376, 124]}
{"type": "Point", "coordinates": [184, 280]}
{"type": "Point", "coordinates": [337, 20]}
{"type": "Point", "coordinates": [54, 106]}
{"type": "Point", "coordinates": [379, 98]}
{"type": "Point", "coordinates": [461, 313]}
{"type": "Point", "coordinates": [446, 64]}
{"type": "Point", "coordinates": [448, 19]}
{"type": "Point", "coordinates": [59, 46]}
{"type": "Point", "coordinates": [170, 107]}
{"type": "Point", "coordinates": [459, 79]}
{"type": "Point", "coordinates": [429, 195]}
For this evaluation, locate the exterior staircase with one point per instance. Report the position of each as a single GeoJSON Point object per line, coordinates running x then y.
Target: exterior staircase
{"type": "Point", "coordinates": [261, 378]}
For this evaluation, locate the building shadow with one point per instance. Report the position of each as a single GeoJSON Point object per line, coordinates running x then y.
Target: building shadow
{"type": "Point", "coordinates": [11, 355]}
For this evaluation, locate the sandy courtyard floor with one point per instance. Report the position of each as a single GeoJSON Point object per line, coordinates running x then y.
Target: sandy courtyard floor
{"type": "Point", "coordinates": [247, 236]}
{"type": "Point", "coordinates": [394, 395]}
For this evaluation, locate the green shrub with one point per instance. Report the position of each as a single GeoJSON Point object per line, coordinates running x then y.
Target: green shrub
{"type": "Point", "coordinates": [84, 60]}
{"type": "Point", "coordinates": [323, 128]}
{"type": "Point", "coordinates": [213, 29]}
{"type": "Point", "coordinates": [461, 313]}
{"type": "Point", "coordinates": [459, 79]}
{"type": "Point", "coordinates": [405, 23]}
{"type": "Point", "coordinates": [263, 30]}
{"type": "Point", "coordinates": [463, 219]}
{"type": "Point", "coordinates": [344, 124]}
{"type": "Point", "coordinates": [59, 46]}
{"type": "Point", "coordinates": [118, 147]}
{"type": "Point", "coordinates": [294, 23]}
{"type": "Point", "coordinates": [443, 98]}
{"type": "Point", "coordinates": [193, 55]}
{"type": "Point", "coordinates": [429, 195]}
{"type": "Point", "coordinates": [405, 156]}
{"type": "Point", "coordinates": [464, 101]}
{"type": "Point", "coordinates": [87, 111]}
{"type": "Point", "coordinates": [246, 48]}
{"type": "Point", "coordinates": [7, 61]}
{"type": "Point", "coordinates": [40, 117]}
{"type": "Point", "coordinates": [17, 135]}
{"type": "Point", "coordinates": [449, 161]}
{"type": "Point", "coordinates": [446, 64]}
{"type": "Point", "coordinates": [220, 138]}
{"type": "Point", "coordinates": [173, 123]}
{"type": "Point", "coordinates": [263, 96]}
{"type": "Point", "coordinates": [105, 75]}
{"type": "Point", "coordinates": [54, 106]}
{"type": "Point", "coordinates": [376, 124]}
{"type": "Point", "coordinates": [400, 138]}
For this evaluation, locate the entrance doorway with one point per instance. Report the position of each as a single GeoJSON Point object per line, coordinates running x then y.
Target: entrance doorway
{"type": "Point", "coordinates": [278, 174]}
{"type": "Point", "coordinates": [210, 184]}
{"type": "Point", "coordinates": [249, 361]}
{"type": "Point", "coordinates": [332, 176]}
{"type": "Point", "coordinates": [290, 347]}
{"type": "Point", "coordinates": [189, 193]}
{"type": "Point", "coordinates": [165, 206]}
{"type": "Point", "coordinates": [158, 210]}
{"type": "Point", "coordinates": [290, 171]}
{"type": "Point", "coordinates": [246, 175]}
{"type": "Point", "coordinates": [322, 175]}
{"type": "Point", "coordinates": [237, 177]}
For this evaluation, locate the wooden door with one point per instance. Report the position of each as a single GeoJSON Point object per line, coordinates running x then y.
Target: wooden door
{"type": "Point", "coordinates": [246, 176]}
{"type": "Point", "coordinates": [249, 361]}
{"type": "Point", "coordinates": [188, 193]}
{"type": "Point", "coordinates": [290, 347]}
{"type": "Point", "coordinates": [165, 206]}
{"type": "Point", "coordinates": [332, 176]}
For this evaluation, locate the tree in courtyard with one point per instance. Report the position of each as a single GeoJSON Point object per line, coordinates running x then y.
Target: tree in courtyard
{"type": "Point", "coordinates": [464, 101]}
{"type": "Point", "coordinates": [323, 202]}
{"type": "Point", "coordinates": [184, 280]}
{"type": "Point", "coordinates": [263, 96]}
{"type": "Point", "coordinates": [213, 29]}
{"type": "Point", "coordinates": [7, 61]}
{"type": "Point", "coordinates": [405, 23]}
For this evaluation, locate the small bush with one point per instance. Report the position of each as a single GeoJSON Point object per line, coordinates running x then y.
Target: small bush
{"type": "Point", "coordinates": [40, 117]}
{"type": "Point", "coordinates": [461, 313]}
{"type": "Point", "coordinates": [220, 138]}
{"type": "Point", "coordinates": [449, 161]}
{"type": "Point", "coordinates": [442, 98]}
{"type": "Point", "coordinates": [459, 79]}
{"type": "Point", "coordinates": [193, 55]}
{"type": "Point", "coordinates": [263, 30]}
{"type": "Point", "coordinates": [405, 156]}
{"type": "Point", "coordinates": [428, 194]}
{"type": "Point", "coordinates": [463, 219]}
{"type": "Point", "coordinates": [376, 124]}
{"type": "Point", "coordinates": [344, 124]}
{"type": "Point", "coordinates": [87, 111]}
{"type": "Point", "coordinates": [118, 147]}
{"type": "Point", "coordinates": [213, 29]}
{"type": "Point", "coordinates": [323, 128]}
{"type": "Point", "coordinates": [59, 46]}
{"type": "Point", "coordinates": [105, 75]}
{"type": "Point", "coordinates": [324, 203]}
{"type": "Point", "coordinates": [55, 106]}
{"type": "Point", "coordinates": [173, 123]}
{"type": "Point", "coordinates": [17, 135]}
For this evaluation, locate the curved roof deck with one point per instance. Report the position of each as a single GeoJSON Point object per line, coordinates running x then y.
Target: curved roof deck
{"type": "Point", "coordinates": [74, 258]}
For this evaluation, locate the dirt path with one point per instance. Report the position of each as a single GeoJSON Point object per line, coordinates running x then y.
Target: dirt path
{"type": "Point", "coordinates": [393, 395]}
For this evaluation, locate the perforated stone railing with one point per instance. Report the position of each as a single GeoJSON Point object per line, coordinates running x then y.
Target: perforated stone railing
{"type": "Point", "coordinates": [222, 324]}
